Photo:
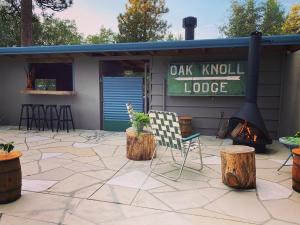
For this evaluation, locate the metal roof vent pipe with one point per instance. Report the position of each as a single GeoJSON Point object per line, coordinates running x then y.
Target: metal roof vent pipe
{"type": "Point", "coordinates": [189, 24]}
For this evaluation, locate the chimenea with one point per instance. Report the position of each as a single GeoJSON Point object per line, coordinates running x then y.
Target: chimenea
{"type": "Point", "coordinates": [246, 127]}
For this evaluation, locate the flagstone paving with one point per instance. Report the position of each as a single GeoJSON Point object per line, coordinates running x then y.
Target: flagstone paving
{"type": "Point", "coordinates": [84, 178]}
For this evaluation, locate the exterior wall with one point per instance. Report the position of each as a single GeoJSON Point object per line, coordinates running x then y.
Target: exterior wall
{"type": "Point", "coordinates": [206, 110]}
{"type": "Point", "coordinates": [290, 104]}
{"type": "Point", "coordinates": [85, 105]}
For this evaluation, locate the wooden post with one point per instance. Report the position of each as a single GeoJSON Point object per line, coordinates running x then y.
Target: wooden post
{"type": "Point", "coordinates": [238, 166]}
{"type": "Point", "coordinates": [139, 147]}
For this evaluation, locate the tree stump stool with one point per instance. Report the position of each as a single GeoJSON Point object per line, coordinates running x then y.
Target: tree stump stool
{"type": "Point", "coordinates": [139, 147]}
{"type": "Point", "coordinates": [238, 166]}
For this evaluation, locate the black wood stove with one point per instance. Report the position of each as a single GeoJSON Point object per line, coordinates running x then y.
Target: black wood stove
{"type": "Point", "coordinates": [246, 127]}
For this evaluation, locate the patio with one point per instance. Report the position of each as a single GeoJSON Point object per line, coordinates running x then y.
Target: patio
{"type": "Point", "coordinates": [84, 178]}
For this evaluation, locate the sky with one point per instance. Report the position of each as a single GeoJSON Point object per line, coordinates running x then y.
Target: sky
{"type": "Point", "coordinates": [90, 15]}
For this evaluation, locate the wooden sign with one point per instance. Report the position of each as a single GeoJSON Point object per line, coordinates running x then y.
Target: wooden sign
{"type": "Point", "coordinates": [207, 79]}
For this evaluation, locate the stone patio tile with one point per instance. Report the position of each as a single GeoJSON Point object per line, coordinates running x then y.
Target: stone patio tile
{"type": "Point", "coordinates": [189, 199]}
{"type": "Point", "coordinates": [21, 147]}
{"type": "Point", "coordinates": [182, 184]}
{"type": "Point", "coordinates": [165, 188]}
{"type": "Point", "coordinates": [72, 150]}
{"type": "Point", "coordinates": [145, 199]}
{"type": "Point", "coordinates": [210, 141]}
{"type": "Point", "coordinates": [101, 175]}
{"type": "Point", "coordinates": [53, 145]}
{"type": "Point", "coordinates": [121, 150]}
{"type": "Point", "coordinates": [35, 145]}
{"type": "Point", "coordinates": [211, 214]}
{"type": "Point", "coordinates": [105, 150]}
{"type": "Point", "coordinates": [295, 196]}
{"type": "Point", "coordinates": [240, 204]}
{"type": "Point", "coordinates": [51, 155]}
{"type": "Point", "coordinates": [43, 207]}
{"type": "Point", "coordinates": [281, 161]}
{"type": "Point", "coordinates": [67, 156]}
{"type": "Point", "coordinates": [278, 222]}
{"type": "Point", "coordinates": [13, 220]}
{"type": "Point", "coordinates": [37, 185]}
{"type": "Point", "coordinates": [212, 160]}
{"type": "Point", "coordinates": [272, 175]}
{"type": "Point", "coordinates": [268, 190]}
{"type": "Point", "coordinates": [36, 138]}
{"type": "Point", "coordinates": [30, 168]}
{"type": "Point", "coordinates": [81, 167]}
{"type": "Point", "coordinates": [116, 194]}
{"type": "Point", "coordinates": [76, 138]}
{"type": "Point", "coordinates": [87, 159]}
{"type": "Point", "coordinates": [84, 145]}
{"type": "Point", "coordinates": [217, 183]}
{"type": "Point", "coordinates": [115, 163]}
{"type": "Point", "coordinates": [88, 191]}
{"type": "Point", "coordinates": [284, 209]}
{"type": "Point", "coordinates": [135, 179]}
{"type": "Point", "coordinates": [57, 174]}
{"type": "Point", "coordinates": [46, 165]}
{"type": "Point", "coordinates": [73, 183]}
{"type": "Point", "coordinates": [99, 212]}
{"type": "Point", "coordinates": [266, 164]}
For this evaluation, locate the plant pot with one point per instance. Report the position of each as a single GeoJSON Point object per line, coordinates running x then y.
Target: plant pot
{"type": "Point", "coordinates": [140, 127]}
{"type": "Point", "coordinates": [10, 176]}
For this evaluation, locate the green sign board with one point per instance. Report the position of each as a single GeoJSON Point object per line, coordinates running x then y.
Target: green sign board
{"type": "Point", "coordinates": [218, 78]}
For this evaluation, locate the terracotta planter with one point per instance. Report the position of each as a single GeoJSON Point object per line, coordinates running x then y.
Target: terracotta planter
{"type": "Point", "coordinates": [10, 176]}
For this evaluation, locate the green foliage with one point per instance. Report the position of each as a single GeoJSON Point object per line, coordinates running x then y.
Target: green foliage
{"type": "Point", "coordinates": [247, 16]}
{"type": "Point", "coordinates": [52, 31]}
{"type": "Point", "coordinates": [8, 147]}
{"type": "Point", "coordinates": [172, 37]}
{"type": "Point", "coordinates": [140, 120]}
{"type": "Point", "coordinates": [273, 18]}
{"type": "Point", "coordinates": [142, 21]}
{"type": "Point", "coordinates": [297, 134]}
{"type": "Point", "coordinates": [106, 35]}
{"type": "Point", "coordinates": [243, 20]}
{"type": "Point", "coordinates": [292, 22]}
{"type": "Point", "coordinates": [57, 32]}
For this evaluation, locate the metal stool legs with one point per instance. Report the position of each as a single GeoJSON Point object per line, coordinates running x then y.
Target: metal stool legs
{"type": "Point", "coordinates": [64, 118]}
{"type": "Point", "coordinates": [28, 115]}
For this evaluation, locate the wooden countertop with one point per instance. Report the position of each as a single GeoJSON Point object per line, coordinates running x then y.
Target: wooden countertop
{"type": "Point", "coordinates": [47, 92]}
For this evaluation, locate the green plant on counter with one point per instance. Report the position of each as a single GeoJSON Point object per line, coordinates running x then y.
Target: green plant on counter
{"type": "Point", "coordinates": [295, 139]}
{"type": "Point", "coordinates": [140, 120]}
{"type": "Point", "coordinates": [8, 147]}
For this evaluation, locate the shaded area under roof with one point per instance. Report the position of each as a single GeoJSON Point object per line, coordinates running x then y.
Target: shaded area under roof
{"type": "Point", "coordinates": [279, 40]}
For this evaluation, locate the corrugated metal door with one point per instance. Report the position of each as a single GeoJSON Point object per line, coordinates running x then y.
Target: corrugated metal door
{"type": "Point", "coordinates": [117, 91]}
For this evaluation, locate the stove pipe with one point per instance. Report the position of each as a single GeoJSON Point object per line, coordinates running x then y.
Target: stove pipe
{"type": "Point", "coordinates": [249, 111]}
{"type": "Point", "coordinates": [189, 24]}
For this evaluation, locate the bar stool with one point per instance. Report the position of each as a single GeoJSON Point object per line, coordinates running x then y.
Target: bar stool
{"type": "Point", "coordinates": [38, 116]}
{"type": "Point", "coordinates": [65, 116]}
{"type": "Point", "coordinates": [51, 115]}
{"type": "Point", "coordinates": [28, 115]}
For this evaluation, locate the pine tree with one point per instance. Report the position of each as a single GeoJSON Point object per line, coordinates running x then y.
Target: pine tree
{"type": "Point", "coordinates": [273, 18]}
{"type": "Point", "coordinates": [142, 21]}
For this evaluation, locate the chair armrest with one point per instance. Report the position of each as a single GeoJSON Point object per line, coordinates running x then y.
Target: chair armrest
{"type": "Point", "coordinates": [191, 137]}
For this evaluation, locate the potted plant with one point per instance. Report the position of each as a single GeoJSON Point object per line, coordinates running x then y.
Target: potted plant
{"type": "Point", "coordinates": [10, 173]}
{"type": "Point", "coordinates": [140, 120]}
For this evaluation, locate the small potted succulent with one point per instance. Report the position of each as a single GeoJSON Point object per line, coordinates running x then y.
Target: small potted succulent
{"type": "Point", "coordinates": [140, 120]}
{"type": "Point", "coordinates": [10, 173]}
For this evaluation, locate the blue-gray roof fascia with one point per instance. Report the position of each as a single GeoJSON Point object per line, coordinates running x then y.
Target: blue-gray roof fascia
{"type": "Point", "coordinates": [283, 40]}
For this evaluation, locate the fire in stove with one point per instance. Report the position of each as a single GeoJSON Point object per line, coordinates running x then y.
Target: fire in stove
{"type": "Point", "coordinates": [244, 133]}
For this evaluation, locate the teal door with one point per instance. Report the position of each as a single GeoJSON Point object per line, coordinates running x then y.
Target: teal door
{"type": "Point", "coordinates": [117, 91]}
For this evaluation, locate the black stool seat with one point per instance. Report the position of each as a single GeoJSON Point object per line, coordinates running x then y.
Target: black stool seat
{"type": "Point", "coordinates": [28, 115]}
{"type": "Point", "coordinates": [65, 117]}
{"type": "Point", "coordinates": [51, 115]}
{"type": "Point", "coordinates": [38, 116]}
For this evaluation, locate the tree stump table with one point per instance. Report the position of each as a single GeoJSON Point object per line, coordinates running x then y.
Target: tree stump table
{"type": "Point", "coordinates": [139, 147]}
{"type": "Point", "coordinates": [238, 166]}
